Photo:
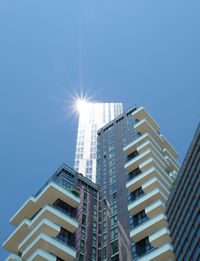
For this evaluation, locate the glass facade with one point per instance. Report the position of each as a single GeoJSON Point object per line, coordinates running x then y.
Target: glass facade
{"type": "Point", "coordinates": [93, 116]}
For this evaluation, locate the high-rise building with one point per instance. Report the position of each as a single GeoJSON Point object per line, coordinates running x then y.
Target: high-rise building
{"type": "Point", "coordinates": [59, 223]}
{"type": "Point", "coordinates": [183, 205]}
{"type": "Point", "coordinates": [133, 139]}
{"type": "Point", "coordinates": [122, 217]}
{"type": "Point", "coordinates": [92, 116]}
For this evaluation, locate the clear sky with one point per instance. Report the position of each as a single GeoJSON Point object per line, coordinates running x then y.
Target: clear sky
{"type": "Point", "coordinates": [144, 52]}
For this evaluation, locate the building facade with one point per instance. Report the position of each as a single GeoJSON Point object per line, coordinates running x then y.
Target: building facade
{"type": "Point", "coordinates": [132, 154]}
{"type": "Point", "coordinates": [151, 165]}
{"type": "Point", "coordinates": [121, 217]}
{"type": "Point", "coordinates": [59, 223]}
{"type": "Point", "coordinates": [92, 116]}
{"type": "Point", "coordinates": [184, 203]}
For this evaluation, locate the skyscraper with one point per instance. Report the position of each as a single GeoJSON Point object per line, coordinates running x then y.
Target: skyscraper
{"type": "Point", "coordinates": [122, 217]}
{"type": "Point", "coordinates": [92, 116]}
{"type": "Point", "coordinates": [131, 153]}
{"type": "Point", "coordinates": [184, 203]}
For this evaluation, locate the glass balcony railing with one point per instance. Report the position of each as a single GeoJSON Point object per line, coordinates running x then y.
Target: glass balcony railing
{"type": "Point", "coordinates": [64, 242]}
{"type": "Point", "coordinates": [130, 201]}
{"type": "Point", "coordinates": [133, 174]}
{"type": "Point", "coordinates": [141, 222]}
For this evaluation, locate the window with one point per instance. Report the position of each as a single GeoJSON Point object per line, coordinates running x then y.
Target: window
{"type": "Point", "coordinates": [104, 239]}
{"type": "Point", "coordinates": [135, 195]}
{"type": "Point", "coordinates": [113, 221]}
{"type": "Point", "coordinates": [93, 253]}
{"type": "Point", "coordinates": [114, 233]}
{"type": "Point", "coordinates": [104, 252]}
{"type": "Point", "coordinates": [104, 226]}
{"type": "Point", "coordinates": [84, 220]}
{"type": "Point", "coordinates": [139, 218]}
{"type": "Point", "coordinates": [113, 208]}
{"type": "Point", "coordinates": [63, 235]}
{"type": "Point", "coordinates": [113, 197]}
{"type": "Point", "coordinates": [84, 208]}
{"type": "Point", "coordinates": [83, 232]}
{"type": "Point", "coordinates": [114, 247]}
{"type": "Point", "coordinates": [82, 246]}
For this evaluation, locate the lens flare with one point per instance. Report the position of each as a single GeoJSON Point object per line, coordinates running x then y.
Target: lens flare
{"type": "Point", "coordinates": [81, 105]}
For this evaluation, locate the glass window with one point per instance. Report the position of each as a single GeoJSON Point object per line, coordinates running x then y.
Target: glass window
{"type": "Point", "coordinates": [114, 247]}
{"type": "Point", "coordinates": [113, 221]}
{"type": "Point", "coordinates": [114, 233]}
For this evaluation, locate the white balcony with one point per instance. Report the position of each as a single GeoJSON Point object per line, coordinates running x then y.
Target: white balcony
{"type": "Point", "coordinates": [153, 184]}
{"type": "Point", "coordinates": [145, 176]}
{"type": "Point", "coordinates": [141, 114]}
{"type": "Point", "coordinates": [148, 227]}
{"type": "Point", "coordinates": [13, 257]}
{"type": "Point", "coordinates": [144, 200]}
{"type": "Point", "coordinates": [169, 147]}
{"type": "Point", "coordinates": [162, 253]}
{"type": "Point", "coordinates": [41, 255]}
{"type": "Point", "coordinates": [155, 209]}
{"type": "Point", "coordinates": [171, 165]}
{"type": "Point", "coordinates": [131, 147]}
{"type": "Point", "coordinates": [46, 226]}
{"type": "Point", "coordinates": [167, 153]}
{"type": "Point", "coordinates": [55, 216]}
{"type": "Point", "coordinates": [141, 158]}
{"type": "Point", "coordinates": [151, 162]}
{"type": "Point", "coordinates": [48, 195]}
{"type": "Point", "coordinates": [48, 243]}
{"type": "Point", "coordinates": [11, 243]}
{"type": "Point", "coordinates": [143, 127]}
{"type": "Point", "coordinates": [149, 145]}
{"type": "Point", "coordinates": [160, 237]}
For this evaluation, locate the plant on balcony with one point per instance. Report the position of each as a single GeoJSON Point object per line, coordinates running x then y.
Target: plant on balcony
{"type": "Point", "coordinates": [75, 192]}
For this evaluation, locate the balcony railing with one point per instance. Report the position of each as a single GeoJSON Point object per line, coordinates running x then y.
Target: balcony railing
{"type": "Point", "coordinates": [131, 200]}
{"type": "Point", "coordinates": [142, 222]}
{"type": "Point", "coordinates": [133, 174]}
{"type": "Point", "coordinates": [65, 243]}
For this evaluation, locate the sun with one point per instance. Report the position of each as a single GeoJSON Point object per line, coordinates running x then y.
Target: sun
{"type": "Point", "coordinates": [81, 105]}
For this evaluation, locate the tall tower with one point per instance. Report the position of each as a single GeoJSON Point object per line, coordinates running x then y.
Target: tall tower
{"type": "Point", "coordinates": [93, 116]}
{"type": "Point", "coordinates": [133, 155]}
{"type": "Point", "coordinates": [184, 203]}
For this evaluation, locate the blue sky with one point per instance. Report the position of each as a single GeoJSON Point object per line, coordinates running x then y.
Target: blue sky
{"type": "Point", "coordinates": [143, 52]}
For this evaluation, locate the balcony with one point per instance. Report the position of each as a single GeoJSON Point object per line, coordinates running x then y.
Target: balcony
{"type": "Point", "coordinates": [13, 257]}
{"type": "Point", "coordinates": [159, 254]}
{"type": "Point", "coordinates": [60, 249]}
{"type": "Point", "coordinates": [56, 216]}
{"type": "Point", "coordinates": [155, 209]}
{"type": "Point", "coordinates": [41, 255]}
{"type": "Point", "coordinates": [131, 147]}
{"type": "Point", "coordinates": [171, 165]}
{"type": "Point", "coordinates": [145, 176]}
{"type": "Point", "coordinates": [11, 243]}
{"type": "Point", "coordinates": [47, 196]}
{"type": "Point", "coordinates": [151, 162]}
{"type": "Point", "coordinates": [160, 237]}
{"type": "Point", "coordinates": [169, 147]}
{"type": "Point", "coordinates": [141, 114]}
{"type": "Point", "coordinates": [45, 226]}
{"type": "Point", "coordinates": [153, 184]}
{"type": "Point", "coordinates": [167, 153]}
{"type": "Point", "coordinates": [143, 127]}
{"type": "Point", "coordinates": [148, 227]}
{"type": "Point", "coordinates": [144, 200]}
{"type": "Point", "coordinates": [141, 158]}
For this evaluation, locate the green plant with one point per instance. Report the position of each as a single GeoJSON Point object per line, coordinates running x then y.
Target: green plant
{"type": "Point", "coordinates": [75, 192]}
